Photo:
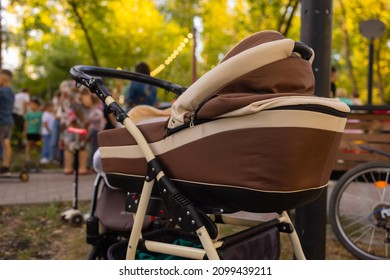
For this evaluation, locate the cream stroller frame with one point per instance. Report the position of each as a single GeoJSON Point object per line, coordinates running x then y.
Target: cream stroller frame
{"type": "Point", "coordinates": [181, 209]}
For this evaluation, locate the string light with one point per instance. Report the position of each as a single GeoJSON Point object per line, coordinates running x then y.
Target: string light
{"type": "Point", "coordinates": [173, 55]}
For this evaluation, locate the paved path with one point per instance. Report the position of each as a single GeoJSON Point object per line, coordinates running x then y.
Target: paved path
{"type": "Point", "coordinates": [47, 186]}
{"type": "Point", "coordinates": [50, 186]}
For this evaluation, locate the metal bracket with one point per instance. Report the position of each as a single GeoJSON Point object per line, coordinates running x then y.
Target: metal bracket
{"type": "Point", "coordinates": [153, 169]}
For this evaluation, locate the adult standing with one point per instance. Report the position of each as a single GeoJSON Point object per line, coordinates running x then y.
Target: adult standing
{"type": "Point", "coordinates": [333, 78]}
{"type": "Point", "coordinates": [140, 93]}
{"type": "Point", "coordinates": [56, 129]}
{"type": "Point", "coordinates": [7, 99]}
{"type": "Point", "coordinates": [75, 114]}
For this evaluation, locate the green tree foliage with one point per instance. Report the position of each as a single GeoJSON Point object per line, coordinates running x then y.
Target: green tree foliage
{"type": "Point", "coordinates": [350, 48]}
{"type": "Point", "coordinates": [53, 35]}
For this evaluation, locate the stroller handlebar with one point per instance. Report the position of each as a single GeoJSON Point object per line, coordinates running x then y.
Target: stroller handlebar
{"type": "Point", "coordinates": [84, 74]}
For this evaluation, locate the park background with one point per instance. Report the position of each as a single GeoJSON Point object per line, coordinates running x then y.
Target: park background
{"type": "Point", "coordinates": [42, 39]}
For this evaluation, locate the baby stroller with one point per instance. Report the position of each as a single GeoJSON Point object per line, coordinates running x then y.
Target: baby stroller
{"type": "Point", "coordinates": [247, 136]}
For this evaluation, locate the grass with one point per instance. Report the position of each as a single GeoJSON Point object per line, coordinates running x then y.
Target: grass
{"type": "Point", "coordinates": [38, 232]}
{"type": "Point", "coordinates": [34, 232]}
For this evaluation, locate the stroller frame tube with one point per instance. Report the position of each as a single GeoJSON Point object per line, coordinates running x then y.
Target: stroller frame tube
{"type": "Point", "coordinates": [177, 250]}
{"type": "Point", "coordinates": [294, 239]}
{"type": "Point", "coordinates": [138, 220]}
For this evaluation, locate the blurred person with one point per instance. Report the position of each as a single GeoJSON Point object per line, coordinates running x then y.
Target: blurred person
{"type": "Point", "coordinates": [140, 93]}
{"type": "Point", "coordinates": [356, 99]}
{"type": "Point", "coordinates": [56, 129]}
{"type": "Point", "coordinates": [95, 122]}
{"type": "Point", "coordinates": [333, 78]}
{"type": "Point", "coordinates": [342, 95]}
{"type": "Point", "coordinates": [66, 117]}
{"type": "Point", "coordinates": [22, 100]}
{"type": "Point", "coordinates": [74, 114]}
{"type": "Point", "coordinates": [65, 114]}
{"type": "Point", "coordinates": [46, 132]}
{"type": "Point", "coordinates": [7, 99]}
{"type": "Point", "coordinates": [32, 129]}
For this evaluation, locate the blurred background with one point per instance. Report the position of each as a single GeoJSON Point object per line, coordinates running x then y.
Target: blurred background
{"type": "Point", "coordinates": [180, 40]}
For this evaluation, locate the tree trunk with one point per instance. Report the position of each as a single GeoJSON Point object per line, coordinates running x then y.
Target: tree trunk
{"type": "Point", "coordinates": [377, 59]}
{"type": "Point", "coordinates": [282, 19]}
{"type": "Point", "coordinates": [79, 19]}
{"type": "Point", "coordinates": [291, 16]}
{"type": "Point", "coordinates": [347, 49]}
{"type": "Point", "coordinates": [23, 45]}
{"type": "Point", "coordinates": [287, 17]}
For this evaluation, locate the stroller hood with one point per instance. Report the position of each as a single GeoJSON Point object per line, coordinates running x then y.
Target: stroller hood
{"type": "Point", "coordinates": [260, 67]}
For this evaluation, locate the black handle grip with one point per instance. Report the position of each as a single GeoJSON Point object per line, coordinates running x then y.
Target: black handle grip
{"type": "Point", "coordinates": [303, 50]}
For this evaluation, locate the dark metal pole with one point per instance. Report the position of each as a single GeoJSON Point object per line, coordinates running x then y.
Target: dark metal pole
{"type": "Point", "coordinates": [371, 29]}
{"type": "Point", "coordinates": [370, 71]}
{"type": "Point", "coordinates": [316, 32]}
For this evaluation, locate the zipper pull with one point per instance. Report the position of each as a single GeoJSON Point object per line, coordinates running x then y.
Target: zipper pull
{"type": "Point", "coordinates": [192, 117]}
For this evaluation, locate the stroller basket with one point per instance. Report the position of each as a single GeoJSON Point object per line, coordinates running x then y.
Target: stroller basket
{"type": "Point", "coordinates": [239, 246]}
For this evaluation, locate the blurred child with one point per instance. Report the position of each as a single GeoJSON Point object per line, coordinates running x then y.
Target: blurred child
{"type": "Point", "coordinates": [22, 99]}
{"type": "Point", "coordinates": [7, 99]}
{"type": "Point", "coordinates": [75, 114]}
{"type": "Point", "coordinates": [46, 132]}
{"type": "Point", "coordinates": [96, 122]}
{"type": "Point", "coordinates": [56, 129]}
{"type": "Point", "coordinates": [32, 128]}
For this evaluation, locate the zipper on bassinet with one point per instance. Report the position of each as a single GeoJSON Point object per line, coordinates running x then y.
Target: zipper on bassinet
{"type": "Point", "coordinates": [192, 118]}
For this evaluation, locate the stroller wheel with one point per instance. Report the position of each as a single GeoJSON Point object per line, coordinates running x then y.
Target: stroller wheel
{"type": "Point", "coordinates": [76, 220]}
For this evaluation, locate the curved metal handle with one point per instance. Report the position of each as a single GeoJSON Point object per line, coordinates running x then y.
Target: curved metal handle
{"type": "Point", "coordinates": [84, 73]}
